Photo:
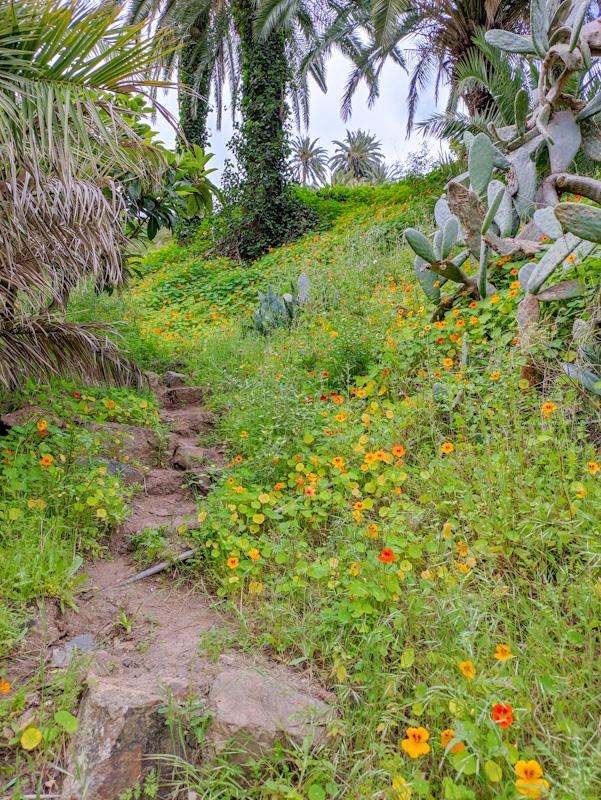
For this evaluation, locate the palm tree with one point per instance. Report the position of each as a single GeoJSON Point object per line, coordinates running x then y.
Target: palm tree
{"type": "Point", "coordinates": [63, 139]}
{"type": "Point", "coordinates": [492, 71]}
{"type": "Point", "coordinates": [442, 34]}
{"type": "Point", "coordinates": [309, 161]}
{"type": "Point", "coordinates": [356, 159]}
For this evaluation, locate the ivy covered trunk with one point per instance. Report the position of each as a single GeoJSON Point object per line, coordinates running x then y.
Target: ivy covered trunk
{"type": "Point", "coordinates": [269, 210]}
{"type": "Point", "coordinates": [193, 111]}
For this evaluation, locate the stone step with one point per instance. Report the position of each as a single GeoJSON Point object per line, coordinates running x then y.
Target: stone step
{"type": "Point", "coordinates": [169, 512]}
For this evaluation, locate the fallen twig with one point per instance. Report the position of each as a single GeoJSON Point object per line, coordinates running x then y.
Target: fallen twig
{"type": "Point", "coordinates": [146, 573]}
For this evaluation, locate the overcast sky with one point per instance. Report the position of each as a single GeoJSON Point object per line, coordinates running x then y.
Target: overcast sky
{"type": "Point", "coordinates": [387, 119]}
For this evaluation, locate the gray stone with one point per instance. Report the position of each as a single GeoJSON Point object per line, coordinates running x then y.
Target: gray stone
{"type": "Point", "coordinates": [252, 710]}
{"type": "Point", "coordinates": [126, 473]}
{"type": "Point", "coordinates": [63, 655]}
{"type": "Point", "coordinates": [173, 379]}
{"type": "Point", "coordinates": [120, 726]}
{"type": "Point", "coordinates": [183, 396]}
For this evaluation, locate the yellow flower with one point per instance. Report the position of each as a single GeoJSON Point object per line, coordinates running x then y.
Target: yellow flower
{"type": "Point", "coordinates": [581, 493]}
{"type": "Point", "coordinates": [503, 652]}
{"type": "Point", "coordinates": [354, 569]}
{"type": "Point", "coordinates": [416, 743]}
{"type": "Point", "coordinates": [447, 736]}
{"type": "Point", "coordinates": [593, 467]}
{"type": "Point", "coordinates": [494, 299]}
{"type": "Point", "coordinates": [468, 669]}
{"type": "Point", "coordinates": [232, 562]}
{"type": "Point", "coordinates": [530, 780]}
{"type": "Point", "coordinates": [143, 404]}
{"type": "Point", "coordinates": [243, 434]}
{"type": "Point", "coordinates": [42, 425]}
{"type": "Point", "coordinates": [254, 554]}
{"type": "Point", "coordinates": [494, 376]}
{"type": "Point", "coordinates": [447, 362]}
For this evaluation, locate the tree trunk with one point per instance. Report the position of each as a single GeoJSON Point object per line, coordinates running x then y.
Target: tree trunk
{"type": "Point", "coordinates": [194, 109]}
{"type": "Point", "coordinates": [263, 148]}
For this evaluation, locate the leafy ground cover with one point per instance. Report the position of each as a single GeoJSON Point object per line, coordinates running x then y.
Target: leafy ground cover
{"type": "Point", "coordinates": [401, 514]}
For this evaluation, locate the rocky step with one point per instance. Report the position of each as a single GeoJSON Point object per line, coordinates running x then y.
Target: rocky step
{"type": "Point", "coordinates": [168, 511]}
{"type": "Point", "coordinates": [188, 420]}
{"type": "Point", "coordinates": [185, 454]}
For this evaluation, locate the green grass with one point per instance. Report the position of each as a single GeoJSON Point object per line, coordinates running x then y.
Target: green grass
{"type": "Point", "coordinates": [495, 542]}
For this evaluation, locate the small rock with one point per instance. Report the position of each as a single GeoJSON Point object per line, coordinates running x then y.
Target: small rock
{"type": "Point", "coordinates": [186, 456]}
{"type": "Point", "coordinates": [128, 474]}
{"type": "Point", "coordinates": [173, 379]}
{"type": "Point", "coordinates": [120, 726]}
{"type": "Point", "coordinates": [253, 711]}
{"type": "Point", "coordinates": [183, 396]}
{"type": "Point", "coordinates": [62, 656]}
{"type": "Point", "coordinates": [137, 443]}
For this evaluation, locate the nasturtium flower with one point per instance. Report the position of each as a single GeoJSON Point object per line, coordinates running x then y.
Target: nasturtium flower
{"type": "Point", "coordinates": [4, 686]}
{"type": "Point", "coordinates": [503, 652]}
{"type": "Point", "coordinates": [502, 714]}
{"type": "Point", "coordinates": [338, 462]}
{"type": "Point", "coordinates": [447, 362]}
{"type": "Point", "coordinates": [447, 736]}
{"type": "Point", "coordinates": [416, 743]}
{"type": "Point", "coordinates": [468, 669]}
{"type": "Point", "coordinates": [447, 447]}
{"type": "Point", "coordinates": [398, 451]}
{"type": "Point", "coordinates": [232, 562]}
{"type": "Point", "coordinates": [548, 408]}
{"type": "Point", "coordinates": [386, 556]}
{"type": "Point", "coordinates": [254, 554]}
{"type": "Point", "coordinates": [42, 425]}
{"type": "Point", "coordinates": [494, 376]}
{"type": "Point", "coordinates": [530, 781]}
{"type": "Point", "coordinates": [593, 467]}
{"type": "Point", "coordinates": [354, 569]}
{"type": "Point", "coordinates": [47, 460]}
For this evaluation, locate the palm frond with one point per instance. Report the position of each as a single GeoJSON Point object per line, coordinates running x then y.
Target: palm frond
{"type": "Point", "coordinates": [40, 348]}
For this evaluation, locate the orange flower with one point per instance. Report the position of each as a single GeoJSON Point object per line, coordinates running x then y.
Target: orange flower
{"type": "Point", "coordinates": [548, 408]}
{"type": "Point", "coordinates": [447, 363]}
{"type": "Point", "coordinates": [372, 530]}
{"type": "Point", "coordinates": [338, 462]}
{"type": "Point", "coordinates": [468, 669]}
{"type": "Point", "coordinates": [593, 467]}
{"type": "Point", "coordinates": [4, 686]}
{"type": "Point", "coordinates": [473, 304]}
{"type": "Point", "coordinates": [42, 425]}
{"type": "Point", "coordinates": [503, 652]}
{"type": "Point", "coordinates": [354, 569]}
{"type": "Point", "coordinates": [232, 562]}
{"type": "Point", "coordinates": [447, 447]}
{"type": "Point", "coordinates": [416, 743]}
{"type": "Point", "coordinates": [494, 376]}
{"type": "Point", "coordinates": [386, 556]}
{"type": "Point", "coordinates": [359, 505]}
{"type": "Point", "coordinates": [310, 491]}
{"type": "Point", "coordinates": [502, 714]}
{"type": "Point", "coordinates": [46, 460]}
{"type": "Point", "coordinates": [279, 486]}
{"type": "Point", "coordinates": [530, 780]}
{"type": "Point", "coordinates": [398, 450]}
{"type": "Point", "coordinates": [110, 404]}
{"type": "Point", "coordinates": [370, 458]}
{"type": "Point", "coordinates": [494, 299]}
{"type": "Point", "coordinates": [447, 736]}
{"type": "Point", "coordinates": [254, 554]}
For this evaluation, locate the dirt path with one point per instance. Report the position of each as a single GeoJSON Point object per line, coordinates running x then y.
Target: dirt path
{"type": "Point", "coordinates": [144, 639]}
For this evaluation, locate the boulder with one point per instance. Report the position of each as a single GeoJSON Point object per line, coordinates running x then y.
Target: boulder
{"type": "Point", "coordinates": [136, 443]}
{"type": "Point", "coordinates": [252, 710]}
{"type": "Point", "coordinates": [120, 726]}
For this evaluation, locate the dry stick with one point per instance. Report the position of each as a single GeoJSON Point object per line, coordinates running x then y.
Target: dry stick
{"type": "Point", "coordinates": [146, 573]}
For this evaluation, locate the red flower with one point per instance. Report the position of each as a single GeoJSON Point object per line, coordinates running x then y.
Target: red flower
{"type": "Point", "coordinates": [76, 394]}
{"type": "Point", "coordinates": [502, 714]}
{"type": "Point", "coordinates": [325, 374]}
{"type": "Point", "coordinates": [440, 340]}
{"type": "Point", "coordinates": [386, 371]}
{"type": "Point", "coordinates": [324, 397]}
{"type": "Point", "coordinates": [386, 556]}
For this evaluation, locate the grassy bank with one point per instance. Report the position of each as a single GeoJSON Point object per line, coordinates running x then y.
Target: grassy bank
{"type": "Point", "coordinates": [401, 515]}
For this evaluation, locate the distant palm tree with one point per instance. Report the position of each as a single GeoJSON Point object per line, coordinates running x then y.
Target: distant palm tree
{"type": "Point", "coordinates": [357, 158]}
{"type": "Point", "coordinates": [309, 161]}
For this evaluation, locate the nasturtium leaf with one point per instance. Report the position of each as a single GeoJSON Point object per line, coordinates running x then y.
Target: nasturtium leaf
{"type": "Point", "coordinates": [66, 720]}
{"type": "Point", "coordinates": [493, 771]}
{"type": "Point", "coordinates": [407, 657]}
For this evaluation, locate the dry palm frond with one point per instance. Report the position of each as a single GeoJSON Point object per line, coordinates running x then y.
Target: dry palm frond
{"type": "Point", "coordinates": [53, 234]}
{"type": "Point", "coordinates": [44, 347]}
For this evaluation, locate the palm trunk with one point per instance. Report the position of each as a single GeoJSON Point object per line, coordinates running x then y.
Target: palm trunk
{"type": "Point", "coordinates": [263, 148]}
{"type": "Point", "coordinates": [194, 109]}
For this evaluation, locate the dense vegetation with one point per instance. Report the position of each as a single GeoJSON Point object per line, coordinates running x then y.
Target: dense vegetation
{"type": "Point", "coordinates": [411, 503]}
